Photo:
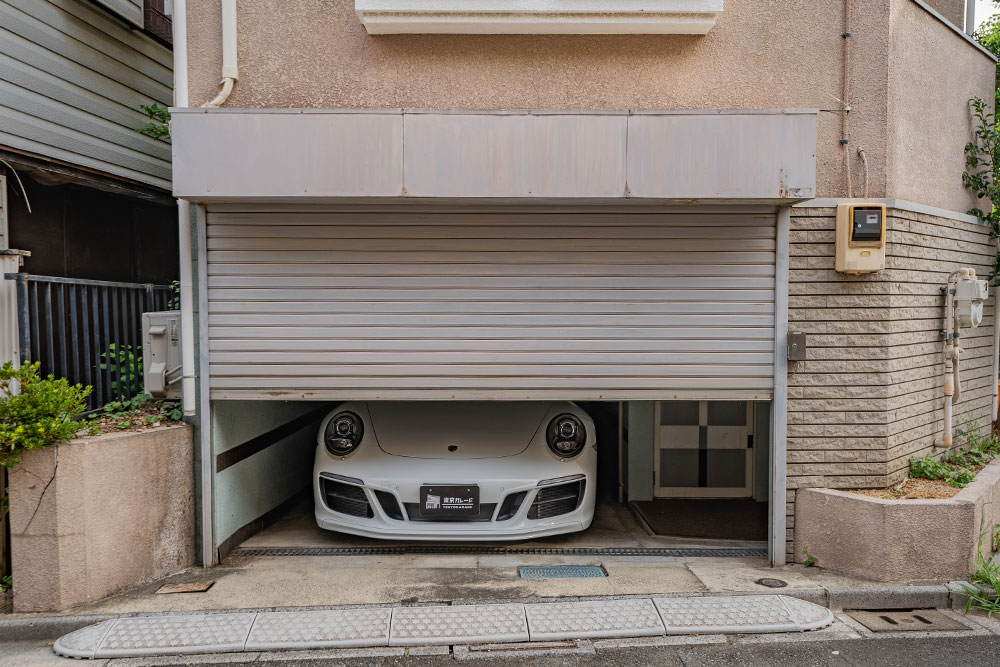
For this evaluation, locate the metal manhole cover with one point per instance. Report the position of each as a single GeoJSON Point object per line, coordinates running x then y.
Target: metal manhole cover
{"type": "Point", "coordinates": [911, 620]}
{"type": "Point", "coordinates": [771, 582]}
{"type": "Point", "coordinates": [561, 572]}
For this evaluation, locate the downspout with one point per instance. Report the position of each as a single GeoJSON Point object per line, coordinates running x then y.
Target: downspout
{"type": "Point", "coordinates": [179, 21]}
{"type": "Point", "coordinates": [996, 354]}
{"type": "Point", "coordinates": [777, 523]}
{"type": "Point", "coordinates": [230, 72]}
{"type": "Point", "coordinates": [970, 17]}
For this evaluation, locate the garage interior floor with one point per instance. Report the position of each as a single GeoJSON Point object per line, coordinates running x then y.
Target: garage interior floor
{"type": "Point", "coordinates": [255, 582]}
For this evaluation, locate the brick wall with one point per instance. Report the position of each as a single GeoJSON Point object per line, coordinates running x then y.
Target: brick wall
{"type": "Point", "coordinates": [868, 396]}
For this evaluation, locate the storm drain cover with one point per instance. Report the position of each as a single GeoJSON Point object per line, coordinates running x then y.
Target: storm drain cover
{"type": "Point", "coordinates": [913, 620]}
{"type": "Point", "coordinates": [561, 572]}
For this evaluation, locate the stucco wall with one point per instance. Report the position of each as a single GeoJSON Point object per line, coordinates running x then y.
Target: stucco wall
{"type": "Point", "coordinates": [95, 515]}
{"type": "Point", "coordinates": [762, 54]}
{"type": "Point", "coordinates": [869, 394]}
{"type": "Point", "coordinates": [933, 72]}
{"type": "Point", "coordinates": [953, 10]}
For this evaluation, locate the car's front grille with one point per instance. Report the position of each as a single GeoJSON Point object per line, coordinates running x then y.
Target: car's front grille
{"type": "Point", "coordinates": [510, 505]}
{"type": "Point", "coordinates": [553, 501]}
{"type": "Point", "coordinates": [389, 505]}
{"type": "Point", "coordinates": [346, 498]}
{"type": "Point", "coordinates": [485, 514]}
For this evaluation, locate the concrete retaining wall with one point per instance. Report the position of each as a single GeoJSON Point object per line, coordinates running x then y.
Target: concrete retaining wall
{"type": "Point", "coordinates": [96, 515]}
{"type": "Point", "coordinates": [897, 540]}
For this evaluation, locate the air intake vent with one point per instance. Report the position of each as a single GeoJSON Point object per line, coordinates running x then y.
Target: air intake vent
{"type": "Point", "coordinates": [346, 499]}
{"type": "Point", "coordinates": [511, 504]}
{"type": "Point", "coordinates": [389, 505]}
{"type": "Point", "coordinates": [553, 501]}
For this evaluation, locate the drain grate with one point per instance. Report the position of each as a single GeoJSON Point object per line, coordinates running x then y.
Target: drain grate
{"type": "Point", "coordinates": [561, 572]}
{"type": "Point", "coordinates": [912, 620]}
{"type": "Point", "coordinates": [497, 551]}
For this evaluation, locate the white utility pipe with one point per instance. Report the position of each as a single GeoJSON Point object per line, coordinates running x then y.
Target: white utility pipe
{"type": "Point", "coordinates": [230, 71]}
{"type": "Point", "coordinates": [947, 436]}
{"type": "Point", "coordinates": [995, 387]}
{"type": "Point", "coordinates": [970, 16]}
{"type": "Point", "coordinates": [179, 21]}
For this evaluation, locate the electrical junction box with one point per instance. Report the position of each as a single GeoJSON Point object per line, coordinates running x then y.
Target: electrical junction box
{"type": "Point", "coordinates": [969, 298]}
{"type": "Point", "coordinates": [860, 244]}
{"type": "Point", "coordinates": [161, 354]}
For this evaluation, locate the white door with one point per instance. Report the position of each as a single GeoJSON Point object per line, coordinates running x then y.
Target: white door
{"type": "Point", "coordinates": [608, 303]}
{"type": "Point", "coordinates": [703, 449]}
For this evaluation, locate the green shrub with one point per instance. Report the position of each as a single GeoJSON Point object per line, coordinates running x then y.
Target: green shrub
{"type": "Point", "coordinates": [43, 412]}
{"type": "Point", "coordinates": [927, 467]}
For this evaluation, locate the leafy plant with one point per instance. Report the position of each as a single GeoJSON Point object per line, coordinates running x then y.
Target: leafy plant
{"type": "Point", "coordinates": [808, 561]}
{"type": "Point", "coordinates": [35, 412]}
{"type": "Point", "coordinates": [174, 302]}
{"type": "Point", "coordinates": [5, 583]}
{"type": "Point", "coordinates": [927, 467]}
{"type": "Point", "coordinates": [125, 365]}
{"type": "Point", "coordinates": [984, 591]}
{"type": "Point", "coordinates": [159, 119]}
{"type": "Point", "coordinates": [982, 172]}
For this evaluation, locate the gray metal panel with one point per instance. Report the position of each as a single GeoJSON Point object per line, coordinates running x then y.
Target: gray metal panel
{"type": "Point", "coordinates": [281, 155]}
{"type": "Point", "coordinates": [313, 155]}
{"type": "Point", "coordinates": [705, 156]}
{"type": "Point", "coordinates": [478, 155]}
{"type": "Point", "coordinates": [71, 81]}
{"type": "Point", "coordinates": [500, 304]}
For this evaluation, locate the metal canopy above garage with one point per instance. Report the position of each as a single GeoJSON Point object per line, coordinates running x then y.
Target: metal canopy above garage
{"type": "Point", "coordinates": [496, 303]}
{"type": "Point", "coordinates": [312, 155]}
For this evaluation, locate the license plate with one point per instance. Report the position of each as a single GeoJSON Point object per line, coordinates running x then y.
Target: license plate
{"type": "Point", "coordinates": [449, 500]}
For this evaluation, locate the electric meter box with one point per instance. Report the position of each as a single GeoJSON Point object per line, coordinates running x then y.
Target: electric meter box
{"type": "Point", "coordinates": [860, 244]}
{"type": "Point", "coordinates": [161, 354]}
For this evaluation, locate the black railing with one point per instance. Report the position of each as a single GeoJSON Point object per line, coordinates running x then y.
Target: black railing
{"type": "Point", "coordinates": [87, 331]}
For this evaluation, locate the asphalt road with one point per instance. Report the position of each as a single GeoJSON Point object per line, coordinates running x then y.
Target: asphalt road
{"type": "Point", "coordinates": [938, 651]}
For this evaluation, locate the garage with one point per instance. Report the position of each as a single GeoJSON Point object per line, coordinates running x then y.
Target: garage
{"type": "Point", "coordinates": [631, 264]}
{"type": "Point", "coordinates": [396, 310]}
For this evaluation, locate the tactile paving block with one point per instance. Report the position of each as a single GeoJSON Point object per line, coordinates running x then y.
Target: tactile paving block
{"type": "Point", "coordinates": [169, 635]}
{"type": "Point", "coordinates": [459, 624]}
{"type": "Point", "coordinates": [593, 619]}
{"type": "Point", "coordinates": [83, 643]}
{"type": "Point", "coordinates": [740, 614]}
{"type": "Point", "coordinates": [348, 628]}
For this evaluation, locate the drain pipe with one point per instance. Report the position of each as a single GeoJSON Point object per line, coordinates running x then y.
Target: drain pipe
{"type": "Point", "coordinates": [230, 71]}
{"type": "Point", "coordinates": [970, 17]}
{"type": "Point", "coordinates": [995, 404]}
{"type": "Point", "coordinates": [179, 22]}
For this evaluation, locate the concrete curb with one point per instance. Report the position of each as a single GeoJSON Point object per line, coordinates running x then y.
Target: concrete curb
{"type": "Point", "coordinates": [878, 596]}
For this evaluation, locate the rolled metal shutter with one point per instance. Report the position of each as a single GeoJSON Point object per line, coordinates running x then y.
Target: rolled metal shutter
{"type": "Point", "coordinates": [602, 304]}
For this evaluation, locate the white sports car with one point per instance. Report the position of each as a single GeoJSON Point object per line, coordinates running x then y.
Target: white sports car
{"type": "Point", "coordinates": [455, 471]}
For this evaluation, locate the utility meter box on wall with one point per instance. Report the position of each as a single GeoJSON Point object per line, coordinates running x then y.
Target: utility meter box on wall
{"type": "Point", "coordinates": [161, 354]}
{"type": "Point", "coordinates": [860, 245]}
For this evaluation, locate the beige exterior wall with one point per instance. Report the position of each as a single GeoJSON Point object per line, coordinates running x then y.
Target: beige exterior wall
{"type": "Point", "coordinates": [933, 74]}
{"type": "Point", "coordinates": [762, 54]}
{"type": "Point", "coordinates": [869, 396]}
{"type": "Point", "coordinates": [953, 10]}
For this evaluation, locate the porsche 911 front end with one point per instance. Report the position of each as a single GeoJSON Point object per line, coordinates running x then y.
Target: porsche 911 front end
{"type": "Point", "coordinates": [455, 471]}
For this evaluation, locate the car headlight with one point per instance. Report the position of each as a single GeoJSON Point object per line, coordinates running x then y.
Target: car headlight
{"type": "Point", "coordinates": [566, 435]}
{"type": "Point", "coordinates": [344, 433]}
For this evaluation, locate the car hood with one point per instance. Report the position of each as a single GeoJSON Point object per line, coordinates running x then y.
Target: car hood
{"type": "Point", "coordinates": [476, 430]}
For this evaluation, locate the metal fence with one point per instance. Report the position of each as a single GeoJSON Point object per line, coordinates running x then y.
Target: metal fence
{"type": "Point", "coordinates": [87, 331]}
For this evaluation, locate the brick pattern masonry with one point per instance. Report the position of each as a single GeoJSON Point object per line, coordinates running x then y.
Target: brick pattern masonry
{"type": "Point", "coordinates": [869, 395]}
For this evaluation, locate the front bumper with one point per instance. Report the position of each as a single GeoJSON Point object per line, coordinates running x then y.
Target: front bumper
{"type": "Point", "coordinates": [386, 495]}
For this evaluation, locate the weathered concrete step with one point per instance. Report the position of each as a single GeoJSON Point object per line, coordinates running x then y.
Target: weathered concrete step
{"type": "Point", "coordinates": [229, 632]}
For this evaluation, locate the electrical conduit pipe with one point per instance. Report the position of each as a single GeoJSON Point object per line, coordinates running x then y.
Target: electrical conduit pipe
{"type": "Point", "coordinates": [952, 354]}
{"type": "Point", "coordinates": [230, 71]}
